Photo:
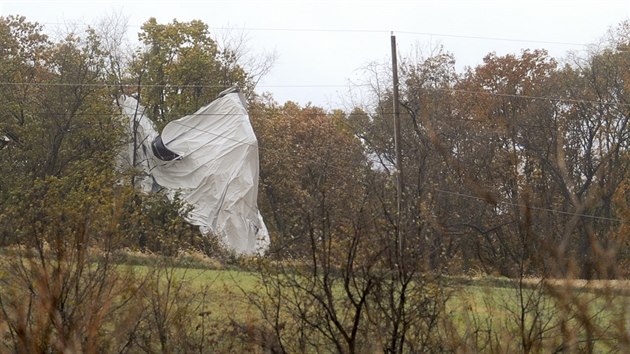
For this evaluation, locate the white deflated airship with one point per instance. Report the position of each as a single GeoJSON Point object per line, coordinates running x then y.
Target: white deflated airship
{"type": "Point", "coordinates": [210, 160]}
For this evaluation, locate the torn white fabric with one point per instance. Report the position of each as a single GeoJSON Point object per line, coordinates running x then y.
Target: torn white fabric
{"type": "Point", "coordinates": [215, 168]}
{"type": "Point", "coordinates": [141, 132]}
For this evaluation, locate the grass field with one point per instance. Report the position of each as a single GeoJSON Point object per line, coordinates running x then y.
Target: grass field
{"type": "Point", "coordinates": [223, 291]}
{"type": "Point", "coordinates": [483, 314]}
{"type": "Point", "coordinates": [496, 313]}
{"type": "Point", "coordinates": [229, 288]}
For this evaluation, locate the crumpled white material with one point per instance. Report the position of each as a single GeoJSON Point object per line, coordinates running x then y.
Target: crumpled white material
{"type": "Point", "coordinates": [216, 172]}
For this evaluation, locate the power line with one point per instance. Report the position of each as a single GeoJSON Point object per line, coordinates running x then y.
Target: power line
{"type": "Point", "coordinates": [118, 85]}
{"type": "Point", "coordinates": [529, 206]}
{"type": "Point", "coordinates": [502, 39]}
{"type": "Point", "coordinates": [305, 114]}
{"type": "Point", "coordinates": [448, 90]}
{"type": "Point", "coordinates": [382, 31]}
{"type": "Point", "coordinates": [531, 97]}
{"type": "Point", "coordinates": [365, 31]}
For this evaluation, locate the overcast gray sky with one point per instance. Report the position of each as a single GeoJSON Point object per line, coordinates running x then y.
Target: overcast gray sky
{"type": "Point", "coordinates": [315, 66]}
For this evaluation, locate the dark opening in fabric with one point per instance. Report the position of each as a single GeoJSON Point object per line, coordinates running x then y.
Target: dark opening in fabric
{"type": "Point", "coordinates": [161, 151]}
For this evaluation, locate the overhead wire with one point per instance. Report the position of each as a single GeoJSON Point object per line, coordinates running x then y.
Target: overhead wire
{"type": "Point", "coordinates": [359, 31]}
{"type": "Point", "coordinates": [118, 85]}
{"type": "Point", "coordinates": [530, 206]}
{"type": "Point", "coordinates": [383, 31]}
{"type": "Point", "coordinates": [433, 89]}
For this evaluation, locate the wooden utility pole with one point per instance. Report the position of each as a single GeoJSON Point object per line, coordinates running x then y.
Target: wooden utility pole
{"type": "Point", "coordinates": [397, 143]}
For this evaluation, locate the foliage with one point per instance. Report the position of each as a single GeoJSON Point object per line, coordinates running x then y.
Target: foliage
{"type": "Point", "coordinates": [311, 178]}
{"type": "Point", "coordinates": [182, 69]}
{"type": "Point", "coordinates": [514, 161]}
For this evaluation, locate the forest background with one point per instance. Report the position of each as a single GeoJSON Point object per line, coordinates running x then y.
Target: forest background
{"type": "Point", "coordinates": [517, 167]}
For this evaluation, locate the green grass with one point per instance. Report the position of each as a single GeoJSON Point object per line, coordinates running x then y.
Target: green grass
{"type": "Point", "coordinates": [481, 296]}
{"type": "Point", "coordinates": [515, 314]}
{"type": "Point", "coordinates": [486, 305]}
{"type": "Point", "coordinates": [499, 314]}
{"type": "Point", "coordinates": [220, 293]}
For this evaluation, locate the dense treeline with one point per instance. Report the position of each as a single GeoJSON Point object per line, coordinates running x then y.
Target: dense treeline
{"type": "Point", "coordinates": [516, 161]}
{"type": "Point", "coordinates": [517, 167]}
